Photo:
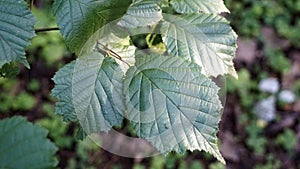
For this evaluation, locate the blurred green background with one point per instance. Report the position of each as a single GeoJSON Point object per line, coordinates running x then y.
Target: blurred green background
{"type": "Point", "coordinates": [269, 47]}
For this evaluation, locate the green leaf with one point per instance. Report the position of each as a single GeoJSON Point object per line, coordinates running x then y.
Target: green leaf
{"type": "Point", "coordinates": [90, 90]}
{"type": "Point", "coordinates": [63, 92]}
{"type": "Point", "coordinates": [197, 6]}
{"type": "Point", "coordinates": [121, 47]}
{"type": "Point", "coordinates": [141, 13]}
{"type": "Point", "coordinates": [24, 145]}
{"type": "Point", "coordinates": [16, 29]}
{"type": "Point", "coordinates": [206, 39]}
{"type": "Point", "coordinates": [80, 134]}
{"type": "Point", "coordinates": [172, 105]}
{"type": "Point", "coordinates": [97, 93]}
{"type": "Point", "coordinates": [9, 70]}
{"type": "Point", "coordinates": [79, 19]}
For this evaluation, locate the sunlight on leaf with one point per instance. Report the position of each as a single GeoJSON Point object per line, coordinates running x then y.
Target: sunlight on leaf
{"type": "Point", "coordinates": [79, 19]}
{"type": "Point", "coordinates": [197, 6]}
{"type": "Point", "coordinates": [172, 105]}
{"type": "Point", "coordinates": [206, 39]}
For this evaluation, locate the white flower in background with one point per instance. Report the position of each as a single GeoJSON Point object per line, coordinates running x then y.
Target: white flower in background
{"type": "Point", "coordinates": [287, 96]}
{"type": "Point", "coordinates": [270, 85]}
{"type": "Point", "coordinates": [265, 109]}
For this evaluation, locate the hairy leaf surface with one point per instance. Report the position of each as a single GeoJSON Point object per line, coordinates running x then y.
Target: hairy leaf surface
{"type": "Point", "coordinates": [24, 145]}
{"type": "Point", "coordinates": [196, 6]}
{"type": "Point", "coordinates": [206, 39]}
{"type": "Point", "coordinates": [172, 105]}
{"type": "Point", "coordinates": [79, 19]}
{"type": "Point", "coordinates": [16, 29]}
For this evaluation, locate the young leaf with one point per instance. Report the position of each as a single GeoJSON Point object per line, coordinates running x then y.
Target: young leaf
{"type": "Point", "coordinates": [172, 105]}
{"type": "Point", "coordinates": [206, 39]}
{"type": "Point", "coordinates": [79, 19]}
{"type": "Point", "coordinates": [141, 13]}
{"type": "Point", "coordinates": [24, 145]}
{"type": "Point", "coordinates": [197, 6]}
{"type": "Point", "coordinates": [16, 29]}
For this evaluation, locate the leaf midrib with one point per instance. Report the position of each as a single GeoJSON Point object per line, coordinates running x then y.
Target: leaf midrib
{"type": "Point", "coordinates": [157, 86]}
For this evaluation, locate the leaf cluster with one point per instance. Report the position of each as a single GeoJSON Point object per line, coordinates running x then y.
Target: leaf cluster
{"type": "Point", "coordinates": [165, 91]}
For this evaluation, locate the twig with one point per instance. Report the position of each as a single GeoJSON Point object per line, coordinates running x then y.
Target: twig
{"type": "Point", "coordinates": [107, 51]}
{"type": "Point", "coordinates": [46, 29]}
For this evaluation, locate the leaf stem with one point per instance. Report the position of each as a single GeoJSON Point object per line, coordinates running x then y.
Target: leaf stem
{"type": "Point", "coordinates": [105, 51]}
{"type": "Point", "coordinates": [46, 29]}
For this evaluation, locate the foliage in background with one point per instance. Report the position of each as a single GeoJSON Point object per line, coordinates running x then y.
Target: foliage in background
{"type": "Point", "coordinates": [251, 18]}
{"type": "Point", "coordinates": [278, 14]}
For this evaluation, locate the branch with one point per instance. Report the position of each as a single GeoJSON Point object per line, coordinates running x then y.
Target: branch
{"type": "Point", "coordinates": [46, 29]}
